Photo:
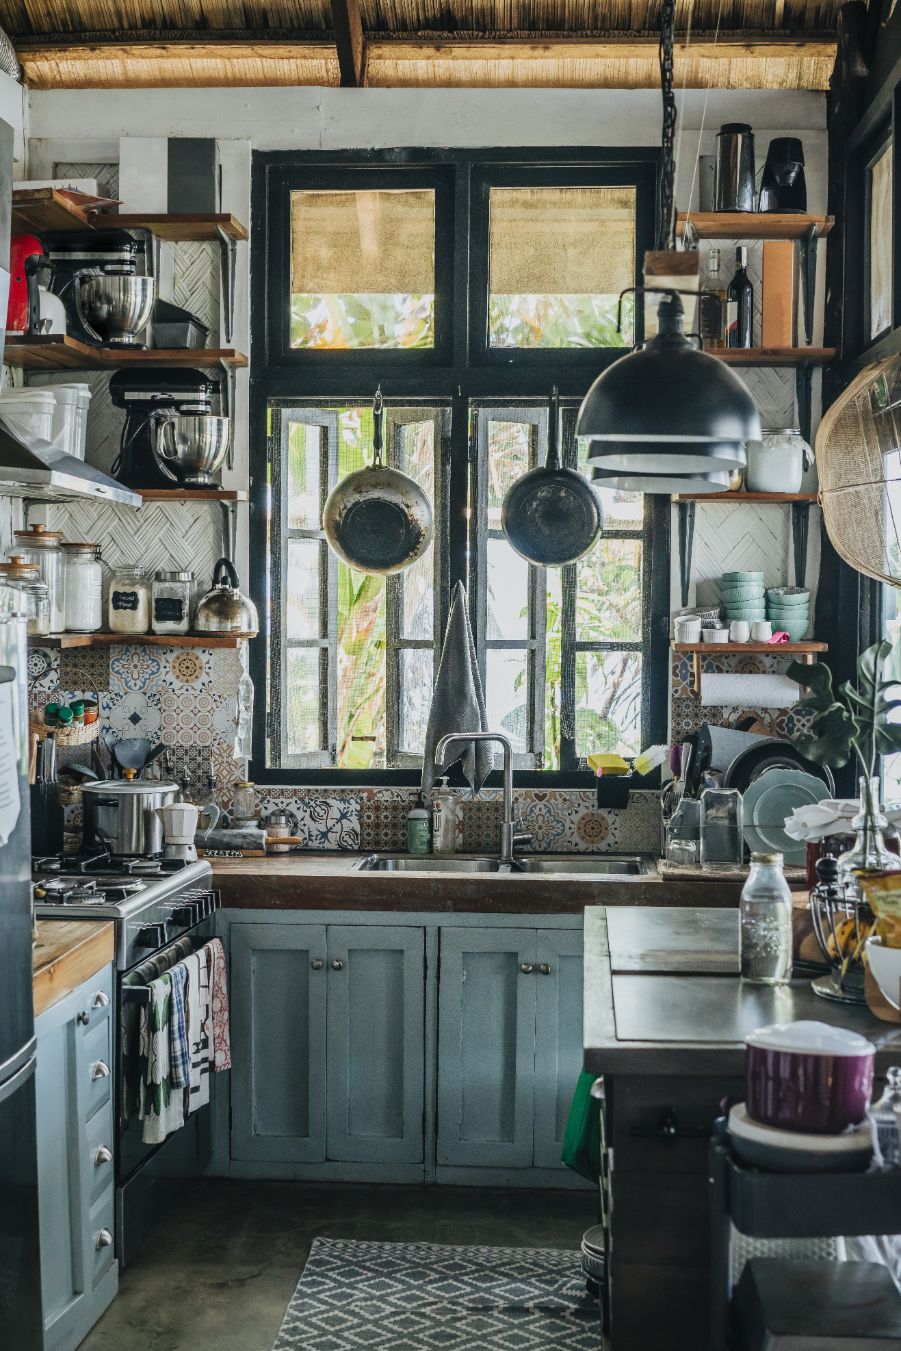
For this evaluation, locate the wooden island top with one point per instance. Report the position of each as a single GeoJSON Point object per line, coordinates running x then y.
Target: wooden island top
{"type": "Point", "coordinates": [68, 952]}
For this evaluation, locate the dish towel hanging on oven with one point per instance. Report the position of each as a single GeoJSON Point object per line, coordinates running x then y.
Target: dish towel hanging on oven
{"type": "Point", "coordinates": [198, 1029]}
{"type": "Point", "coordinates": [219, 1020]}
{"type": "Point", "coordinates": [162, 1104]}
{"type": "Point", "coordinates": [134, 1067]}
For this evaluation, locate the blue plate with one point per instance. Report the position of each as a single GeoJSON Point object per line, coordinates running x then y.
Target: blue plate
{"type": "Point", "coordinates": [768, 801]}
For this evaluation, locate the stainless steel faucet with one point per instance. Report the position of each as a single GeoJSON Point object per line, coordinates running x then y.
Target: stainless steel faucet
{"type": "Point", "coordinates": [507, 831]}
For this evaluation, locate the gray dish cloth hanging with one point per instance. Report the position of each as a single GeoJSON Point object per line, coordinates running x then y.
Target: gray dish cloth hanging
{"type": "Point", "coordinates": [458, 701]}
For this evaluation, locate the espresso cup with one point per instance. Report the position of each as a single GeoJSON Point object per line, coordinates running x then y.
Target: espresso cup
{"type": "Point", "coordinates": [739, 631]}
{"type": "Point", "coordinates": [761, 631]}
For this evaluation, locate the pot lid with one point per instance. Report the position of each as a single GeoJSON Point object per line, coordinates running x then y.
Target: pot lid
{"type": "Point", "coordinates": [129, 787]}
{"type": "Point", "coordinates": [808, 1037]}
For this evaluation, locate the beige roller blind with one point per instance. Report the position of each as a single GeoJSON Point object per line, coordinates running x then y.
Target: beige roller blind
{"type": "Point", "coordinates": [561, 241]}
{"type": "Point", "coordinates": [359, 243]}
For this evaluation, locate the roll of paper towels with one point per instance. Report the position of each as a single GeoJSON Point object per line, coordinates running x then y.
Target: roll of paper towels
{"type": "Point", "coordinates": [748, 691]}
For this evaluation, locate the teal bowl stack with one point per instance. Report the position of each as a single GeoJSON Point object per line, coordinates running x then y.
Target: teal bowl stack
{"type": "Point", "coordinates": [744, 596]}
{"type": "Point", "coordinates": [788, 609]}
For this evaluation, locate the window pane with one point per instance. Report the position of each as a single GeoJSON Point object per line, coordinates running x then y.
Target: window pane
{"type": "Point", "coordinates": [880, 244]}
{"type": "Point", "coordinates": [302, 696]}
{"type": "Point", "coordinates": [558, 259]}
{"type": "Point", "coordinates": [608, 702]}
{"type": "Point", "coordinates": [508, 592]}
{"type": "Point", "coordinates": [302, 588]}
{"type": "Point", "coordinates": [506, 695]}
{"type": "Point", "coordinates": [361, 670]}
{"type": "Point", "coordinates": [363, 269]}
{"type": "Point", "coordinates": [508, 458]}
{"type": "Point", "coordinates": [415, 442]}
{"type": "Point", "coordinates": [416, 679]}
{"type": "Point", "coordinates": [304, 489]}
{"type": "Point", "coordinates": [608, 603]}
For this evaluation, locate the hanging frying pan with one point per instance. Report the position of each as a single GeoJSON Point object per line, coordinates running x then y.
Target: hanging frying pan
{"type": "Point", "coordinates": [552, 516]}
{"type": "Point", "coordinates": [377, 520]}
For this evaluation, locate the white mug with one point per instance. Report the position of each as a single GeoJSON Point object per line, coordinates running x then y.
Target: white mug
{"type": "Point", "coordinates": [761, 631]}
{"type": "Point", "coordinates": [688, 630]}
{"type": "Point", "coordinates": [739, 631]}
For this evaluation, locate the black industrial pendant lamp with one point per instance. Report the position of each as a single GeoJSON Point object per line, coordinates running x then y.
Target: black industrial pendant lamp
{"type": "Point", "coordinates": [667, 417]}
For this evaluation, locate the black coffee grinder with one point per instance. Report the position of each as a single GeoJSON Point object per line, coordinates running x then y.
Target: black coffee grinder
{"type": "Point", "coordinates": [783, 187]}
{"type": "Point", "coordinates": [115, 252]}
{"type": "Point", "coordinates": [144, 392]}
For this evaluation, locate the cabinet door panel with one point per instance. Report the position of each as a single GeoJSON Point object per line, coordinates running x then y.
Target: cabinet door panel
{"type": "Point", "coordinates": [486, 1047]}
{"type": "Point", "coordinates": [376, 1014]}
{"type": "Point", "coordinates": [278, 1028]}
{"type": "Point", "coordinates": [558, 1039]}
{"type": "Point", "coordinates": [63, 1257]}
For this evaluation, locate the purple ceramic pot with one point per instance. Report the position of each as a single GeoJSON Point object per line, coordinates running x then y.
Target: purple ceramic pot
{"type": "Point", "coordinates": [808, 1076]}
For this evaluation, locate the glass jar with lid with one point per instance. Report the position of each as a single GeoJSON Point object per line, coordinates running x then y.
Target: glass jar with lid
{"type": "Point", "coordinates": [39, 545]}
{"type": "Point", "coordinates": [33, 594]}
{"type": "Point", "coordinates": [244, 803]}
{"type": "Point", "coordinates": [765, 913]}
{"type": "Point", "coordinates": [84, 587]}
{"type": "Point", "coordinates": [171, 610]}
{"type": "Point", "coordinates": [777, 463]}
{"type": "Point", "coordinates": [129, 601]}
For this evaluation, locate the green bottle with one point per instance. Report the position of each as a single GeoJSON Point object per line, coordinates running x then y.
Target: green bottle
{"type": "Point", "coordinates": [419, 829]}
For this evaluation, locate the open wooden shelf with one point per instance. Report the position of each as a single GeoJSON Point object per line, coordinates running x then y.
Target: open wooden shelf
{"type": "Point", "coordinates": [774, 356]}
{"type": "Point", "coordinates": [69, 640]}
{"type": "Point", "coordinates": [751, 224]}
{"type": "Point", "coordinates": [193, 494]}
{"type": "Point", "coordinates": [38, 209]}
{"type": "Point", "coordinates": [51, 352]}
{"type": "Point", "coordinates": [734, 649]}
{"type": "Point", "coordinates": [745, 497]}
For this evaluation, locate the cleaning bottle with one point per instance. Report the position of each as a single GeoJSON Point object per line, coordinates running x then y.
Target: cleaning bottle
{"type": "Point", "coordinates": [444, 819]}
{"type": "Point", "coordinates": [419, 829]}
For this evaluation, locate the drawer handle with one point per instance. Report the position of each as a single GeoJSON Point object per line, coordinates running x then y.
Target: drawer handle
{"type": "Point", "coordinates": [317, 963]}
{"type": "Point", "coordinates": [526, 968]}
{"type": "Point", "coordinates": [669, 1130]}
{"type": "Point", "coordinates": [598, 1090]}
{"type": "Point", "coordinates": [103, 1155]}
{"type": "Point", "coordinates": [99, 1070]}
{"type": "Point", "coordinates": [104, 1240]}
{"type": "Point", "coordinates": [100, 1000]}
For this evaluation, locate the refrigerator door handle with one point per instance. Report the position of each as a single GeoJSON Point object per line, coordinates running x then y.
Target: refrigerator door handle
{"type": "Point", "coordinates": [20, 1077]}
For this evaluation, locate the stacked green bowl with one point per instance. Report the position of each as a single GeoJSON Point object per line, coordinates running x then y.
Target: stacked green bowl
{"type": "Point", "coordinates": [788, 609]}
{"type": "Point", "coordinates": [744, 596]}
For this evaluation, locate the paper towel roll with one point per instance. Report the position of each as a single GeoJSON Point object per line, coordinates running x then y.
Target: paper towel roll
{"type": "Point", "coordinates": [748, 691]}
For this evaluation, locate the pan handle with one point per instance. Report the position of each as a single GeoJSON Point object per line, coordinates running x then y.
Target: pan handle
{"type": "Point", "coordinates": [553, 431]}
{"type": "Point", "coordinates": [377, 415]}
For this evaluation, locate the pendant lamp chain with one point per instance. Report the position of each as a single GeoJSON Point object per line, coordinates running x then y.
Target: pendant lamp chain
{"type": "Point", "coordinates": [666, 225]}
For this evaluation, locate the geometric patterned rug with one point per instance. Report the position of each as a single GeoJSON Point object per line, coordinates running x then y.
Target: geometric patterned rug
{"type": "Point", "coordinates": [354, 1296]}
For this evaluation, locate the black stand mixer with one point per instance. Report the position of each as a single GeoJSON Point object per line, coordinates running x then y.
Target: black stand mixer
{"type": "Point", "coordinates": [173, 432]}
{"type": "Point", "coordinates": [104, 279]}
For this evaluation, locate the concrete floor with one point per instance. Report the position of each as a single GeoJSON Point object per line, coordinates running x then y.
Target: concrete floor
{"type": "Point", "coordinates": [218, 1273]}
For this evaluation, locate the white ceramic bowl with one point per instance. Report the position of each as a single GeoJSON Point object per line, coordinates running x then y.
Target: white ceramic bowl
{"type": "Point", "coordinates": [715, 635]}
{"type": "Point", "coordinates": [885, 964]}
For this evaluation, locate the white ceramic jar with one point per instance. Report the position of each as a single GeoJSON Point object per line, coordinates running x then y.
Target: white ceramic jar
{"type": "Point", "coordinates": [777, 463]}
{"type": "Point", "coordinates": [84, 588]}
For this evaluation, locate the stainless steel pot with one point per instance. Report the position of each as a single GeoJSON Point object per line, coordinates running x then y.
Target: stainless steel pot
{"type": "Point", "coordinates": [190, 447]}
{"type": "Point", "coordinates": [224, 609]}
{"type": "Point", "coordinates": [378, 520]}
{"type": "Point", "coordinates": [120, 815]}
{"type": "Point", "coordinates": [114, 307]}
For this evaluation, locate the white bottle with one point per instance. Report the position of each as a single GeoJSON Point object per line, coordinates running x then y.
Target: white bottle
{"type": "Point", "coordinates": [444, 819]}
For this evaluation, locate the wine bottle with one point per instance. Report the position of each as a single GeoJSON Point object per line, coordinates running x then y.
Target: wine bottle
{"type": "Point", "coordinates": [740, 304]}
{"type": "Point", "coordinates": [713, 303]}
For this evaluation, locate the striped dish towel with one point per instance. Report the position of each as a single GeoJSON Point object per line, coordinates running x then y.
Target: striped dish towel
{"type": "Point", "coordinates": [179, 1050]}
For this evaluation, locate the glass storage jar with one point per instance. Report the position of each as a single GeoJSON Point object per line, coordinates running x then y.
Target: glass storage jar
{"type": "Point", "coordinates": [39, 545]}
{"type": "Point", "coordinates": [722, 838]}
{"type": "Point", "coordinates": [84, 588]}
{"type": "Point", "coordinates": [776, 464]}
{"type": "Point", "coordinates": [129, 601]}
{"type": "Point", "coordinates": [765, 912]}
{"type": "Point", "coordinates": [171, 609]}
{"type": "Point", "coordinates": [244, 803]}
{"type": "Point", "coordinates": [32, 593]}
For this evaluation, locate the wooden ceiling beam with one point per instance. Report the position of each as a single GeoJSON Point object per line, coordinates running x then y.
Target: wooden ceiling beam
{"type": "Point", "coordinates": [349, 41]}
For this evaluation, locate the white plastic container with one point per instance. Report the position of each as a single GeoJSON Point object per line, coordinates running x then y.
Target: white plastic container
{"type": "Point", "coordinates": [70, 417]}
{"type": "Point", "coordinates": [28, 413]}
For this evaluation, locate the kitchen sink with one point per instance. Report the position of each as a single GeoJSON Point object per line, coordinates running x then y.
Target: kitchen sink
{"type": "Point", "coordinates": [610, 865]}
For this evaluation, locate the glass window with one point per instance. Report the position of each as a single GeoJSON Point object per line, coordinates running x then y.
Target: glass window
{"type": "Point", "coordinates": [880, 243]}
{"type": "Point", "coordinates": [363, 269]}
{"type": "Point", "coordinates": [558, 259]}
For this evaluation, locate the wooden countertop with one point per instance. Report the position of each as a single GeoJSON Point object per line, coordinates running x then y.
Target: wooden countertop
{"type": "Point", "coordinates": [301, 881]}
{"type": "Point", "coordinates": [68, 952]}
{"type": "Point", "coordinates": [650, 1016]}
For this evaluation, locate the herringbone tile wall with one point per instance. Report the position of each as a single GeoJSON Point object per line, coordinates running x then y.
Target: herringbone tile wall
{"type": "Point", "coordinates": [160, 535]}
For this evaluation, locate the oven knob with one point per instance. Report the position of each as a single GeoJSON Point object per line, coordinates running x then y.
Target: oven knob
{"type": "Point", "coordinates": [186, 915]}
{"type": "Point", "coordinates": [151, 936]}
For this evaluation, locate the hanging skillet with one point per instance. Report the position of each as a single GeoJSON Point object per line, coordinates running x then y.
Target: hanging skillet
{"type": "Point", "coordinates": [552, 516]}
{"type": "Point", "coordinates": [377, 520]}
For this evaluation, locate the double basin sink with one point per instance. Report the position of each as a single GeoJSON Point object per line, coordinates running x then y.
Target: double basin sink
{"type": "Point", "coordinates": [610, 865]}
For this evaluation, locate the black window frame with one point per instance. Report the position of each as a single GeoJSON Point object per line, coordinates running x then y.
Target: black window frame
{"type": "Point", "coordinates": [455, 371]}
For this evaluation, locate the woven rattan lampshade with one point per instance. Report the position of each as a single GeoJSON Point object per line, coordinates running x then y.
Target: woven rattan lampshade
{"type": "Point", "coordinates": [858, 454]}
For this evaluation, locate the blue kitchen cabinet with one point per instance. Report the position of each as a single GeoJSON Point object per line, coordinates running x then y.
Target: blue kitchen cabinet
{"type": "Point", "coordinates": [328, 1032]}
{"type": "Point", "coordinates": [558, 1038]}
{"type": "Point", "coordinates": [75, 1135]}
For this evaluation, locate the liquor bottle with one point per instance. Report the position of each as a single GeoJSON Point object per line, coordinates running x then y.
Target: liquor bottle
{"type": "Point", "coordinates": [740, 305]}
{"type": "Point", "coordinates": [713, 304]}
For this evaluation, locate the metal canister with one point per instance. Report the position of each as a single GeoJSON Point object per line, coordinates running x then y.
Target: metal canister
{"type": "Point", "coordinates": [735, 167]}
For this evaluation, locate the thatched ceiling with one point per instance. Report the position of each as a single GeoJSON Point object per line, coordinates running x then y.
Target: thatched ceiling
{"type": "Point", "coordinates": [783, 44]}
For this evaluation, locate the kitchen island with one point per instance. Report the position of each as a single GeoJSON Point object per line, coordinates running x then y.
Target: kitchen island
{"type": "Point", "coordinates": [665, 1015]}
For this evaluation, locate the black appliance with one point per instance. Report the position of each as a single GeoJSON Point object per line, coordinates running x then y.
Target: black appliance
{"type": "Point", "coordinates": [152, 902]}
{"type": "Point", "coordinates": [111, 251]}
{"type": "Point", "coordinates": [143, 393]}
{"type": "Point", "coordinates": [783, 186]}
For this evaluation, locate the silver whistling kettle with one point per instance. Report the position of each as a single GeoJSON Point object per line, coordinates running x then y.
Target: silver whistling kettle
{"type": "Point", "coordinates": [224, 609]}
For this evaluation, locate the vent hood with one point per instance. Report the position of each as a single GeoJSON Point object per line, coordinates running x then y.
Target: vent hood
{"type": "Point", "coordinates": [45, 474]}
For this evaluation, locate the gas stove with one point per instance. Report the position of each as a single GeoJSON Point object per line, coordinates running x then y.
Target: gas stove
{"type": "Point", "coordinates": [152, 901]}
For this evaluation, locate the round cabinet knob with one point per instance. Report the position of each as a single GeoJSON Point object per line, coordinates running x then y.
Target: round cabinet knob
{"type": "Point", "coordinates": [103, 1155]}
{"type": "Point", "coordinates": [317, 963]}
{"type": "Point", "coordinates": [544, 968]}
{"type": "Point", "coordinates": [100, 1000]}
{"type": "Point", "coordinates": [100, 1070]}
{"type": "Point", "coordinates": [526, 968]}
{"type": "Point", "coordinates": [337, 965]}
{"type": "Point", "coordinates": [104, 1240]}
{"type": "Point", "coordinates": [83, 1018]}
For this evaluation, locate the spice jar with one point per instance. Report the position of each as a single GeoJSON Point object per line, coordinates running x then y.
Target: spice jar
{"type": "Point", "coordinates": [42, 546]}
{"type": "Point", "coordinates": [172, 592]}
{"type": "Point", "coordinates": [84, 588]}
{"type": "Point", "coordinates": [129, 601]}
{"type": "Point", "coordinates": [244, 804]}
{"type": "Point", "coordinates": [34, 595]}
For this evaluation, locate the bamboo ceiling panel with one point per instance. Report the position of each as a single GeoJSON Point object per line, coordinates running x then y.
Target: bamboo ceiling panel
{"type": "Point", "coordinates": [131, 18]}
{"type": "Point", "coordinates": [181, 65]}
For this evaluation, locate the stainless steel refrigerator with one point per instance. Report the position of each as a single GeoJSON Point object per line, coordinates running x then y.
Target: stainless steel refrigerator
{"type": "Point", "coordinates": [21, 1324]}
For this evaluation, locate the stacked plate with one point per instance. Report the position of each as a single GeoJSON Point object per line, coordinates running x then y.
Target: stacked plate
{"type": "Point", "coordinates": [788, 608]}
{"type": "Point", "coordinates": [743, 596]}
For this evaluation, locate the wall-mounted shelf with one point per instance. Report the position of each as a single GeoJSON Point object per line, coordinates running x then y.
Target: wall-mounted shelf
{"type": "Point", "coordinates": [686, 505]}
{"type": "Point", "coordinates": [70, 640]}
{"type": "Point", "coordinates": [806, 651]}
{"type": "Point", "coordinates": [194, 494]}
{"type": "Point", "coordinates": [751, 225]}
{"type": "Point", "coordinates": [50, 352]}
{"type": "Point", "coordinates": [777, 499]}
{"type": "Point", "coordinates": [38, 209]}
{"type": "Point", "coordinates": [774, 356]}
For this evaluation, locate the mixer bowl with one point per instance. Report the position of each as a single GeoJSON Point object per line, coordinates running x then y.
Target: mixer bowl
{"type": "Point", "coordinates": [190, 447]}
{"type": "Point", "coordinates": [114, 308]}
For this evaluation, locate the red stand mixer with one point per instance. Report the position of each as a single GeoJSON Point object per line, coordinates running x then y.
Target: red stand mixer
{"type": "Point", "coordinates": [26, 256]}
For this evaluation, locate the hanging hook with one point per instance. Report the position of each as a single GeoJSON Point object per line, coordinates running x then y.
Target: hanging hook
{"type": "Point", "coordinates": [377, 413]}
